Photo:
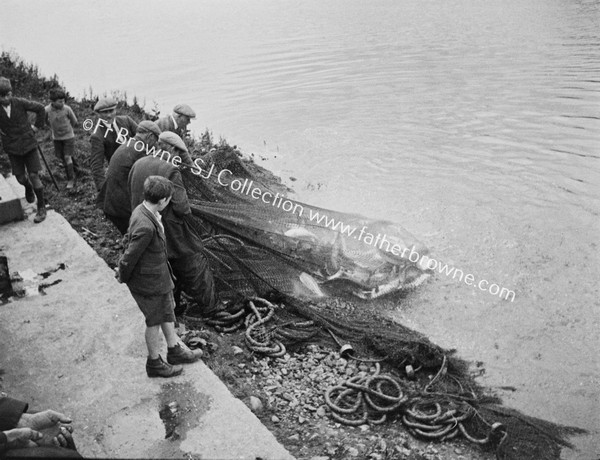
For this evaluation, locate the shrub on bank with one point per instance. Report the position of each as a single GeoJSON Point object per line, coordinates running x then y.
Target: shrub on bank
{"type": "Point", "coordinates": [25, 77]}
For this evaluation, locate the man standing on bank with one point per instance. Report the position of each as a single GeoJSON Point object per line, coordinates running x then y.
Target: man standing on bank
{"type": "Point", "coordinates": [117, 202]}
{"type": "Point", "coordinates": [111, 131]}
{"type": "Point", "coordinates": [20, 144]}
{"type": "Point", "coordinates": [184, 247]}
{"type": "Point", "coordinates": [178, 123]}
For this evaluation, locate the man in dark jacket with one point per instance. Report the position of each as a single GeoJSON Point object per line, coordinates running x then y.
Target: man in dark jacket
{"type": "Point", "coordinates": [110, 132]}
{"type": "Point", "coordinates": [20, 144]}
{"type": "Point", "coordinates": [21, 433]}
{"type": "Point", "coordinates": [117, 202]}
{"type": "Point", "coordinates": [184, 247]}
{"type": "Point", "coordinates": [144, 267]}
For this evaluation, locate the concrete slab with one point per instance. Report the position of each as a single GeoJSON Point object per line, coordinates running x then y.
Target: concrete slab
{"type": "Point", "coordinates": [79, 349]}
{"type": "Point", "coordinates": [19, 191]}
{"type": "Point", "coordinates": [10, 203]}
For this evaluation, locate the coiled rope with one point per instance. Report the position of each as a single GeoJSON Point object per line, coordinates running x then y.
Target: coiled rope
{"type": "Point", "coordinates": [440, 416]}
{"type": "Point", "coordinates": [254, 314]}
{"type": "Point", "coordinates": [227, 321]}
{"type": "Point", "coordinates": [365, 399]}
{"type": "Point", "coordinates": [431, 420]}
{"type": "Point", "coordinates": [258, 339]}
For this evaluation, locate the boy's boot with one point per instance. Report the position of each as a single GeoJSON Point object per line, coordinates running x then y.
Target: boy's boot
{"type": "Point", "coordinates": [158, 368]}
{"type": "Point", "coordinates": [41, 206]}
{"type": "Point", "coordinates": [70, 175]}
{"type": "Point", "coordinates": [182, 355]}
{"type": "Point", "coordinates": [29, 192]}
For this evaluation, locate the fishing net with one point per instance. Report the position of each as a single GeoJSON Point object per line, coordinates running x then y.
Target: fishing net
{"type": "Point", "coordinates": [326, 276]}
{"type": "Point", "coordinates": [302, 250]}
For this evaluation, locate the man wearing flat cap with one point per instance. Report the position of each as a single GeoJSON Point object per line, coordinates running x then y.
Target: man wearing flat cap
{"type": "Point", "coordinates": [184, 246]}
{"type": "Point", "coordinates": [172, 143]}
{"type": "Point", "coordinates": [111, 131]}
{"type": "Point", "coordinates": [20, 144]}
{"type": "Point", "coordinates": [178, 122]}
{"type": "Point", "coordinates": [117, 202]}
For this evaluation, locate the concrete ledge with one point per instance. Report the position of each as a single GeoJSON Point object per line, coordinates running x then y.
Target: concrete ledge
{"type": "Point", "coordinates": [79, 349]}
{"type": "Point", "coordinates": [10, 203]}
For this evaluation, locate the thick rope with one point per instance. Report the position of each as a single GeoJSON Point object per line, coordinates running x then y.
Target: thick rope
{"type": "Point", "coordinates": [365, 399]}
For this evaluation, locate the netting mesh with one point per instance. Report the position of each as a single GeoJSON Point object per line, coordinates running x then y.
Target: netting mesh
{"type": "Point", "coordinates": [280, 239]}
{"type": "Point", "coordinates": [268, 246]}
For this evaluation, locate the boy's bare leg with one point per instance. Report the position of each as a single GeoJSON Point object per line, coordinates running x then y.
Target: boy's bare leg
{"type": "Point", "coordinates": [178, 352]}
{"type": "Point", "coordinates": [170, 334]}
{"type": "Point", "coordinates": [153, 341]}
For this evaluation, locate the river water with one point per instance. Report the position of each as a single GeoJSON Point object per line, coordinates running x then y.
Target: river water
{"type": "Point", "coordinates": [475, 125]}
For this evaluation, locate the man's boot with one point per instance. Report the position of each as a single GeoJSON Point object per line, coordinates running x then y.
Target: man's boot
{"type": "Point", "coordinates": [182, 355]}
{"type": "Point", "coordinates": [41, 206]}
{"type": "Point", "coordinates": [158, 368]}
{"type": "Point", "coordinates": [29, 192]}
{"type": "Point", "coordinates": [70, 175]}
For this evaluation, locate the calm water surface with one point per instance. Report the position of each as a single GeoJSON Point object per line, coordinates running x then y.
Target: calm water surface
{"type": "Point", "coordinates": [476, 125]}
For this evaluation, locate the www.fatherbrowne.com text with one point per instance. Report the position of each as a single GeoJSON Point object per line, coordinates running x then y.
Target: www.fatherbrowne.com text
{"type": "Point", "coordinates": [247, 187]}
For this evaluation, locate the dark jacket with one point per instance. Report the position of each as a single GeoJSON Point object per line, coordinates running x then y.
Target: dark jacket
{"type": "Point", "coordinates": [104, 144]}
{"type": "Point", "coordinates": [182, 241]}
{"type": "Point", "coordinates": [10, 413]}
{"type": "Point", "coordinates": [144, 265]}
{"type": "Point", "coordinates": [17, 136]}
{"type": "Point", "coordinates": [117, 201]}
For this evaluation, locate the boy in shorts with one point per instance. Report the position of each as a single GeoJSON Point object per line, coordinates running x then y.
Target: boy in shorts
{"type": "Point", "coordinates": [62, 120]}
{"type": "Point", "coordinates": [144, 267]}
{"type": "Point", "coordinates": [20, 144]}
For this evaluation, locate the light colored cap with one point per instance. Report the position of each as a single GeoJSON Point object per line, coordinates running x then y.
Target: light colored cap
{"type": "Point", "coordinates": [104, 104]}
{"type": "Point", "coordinates": [184, 109]}
{"type": "Point", "coordinates": [173, 139]}
{"type": "Point", "coordinates": [5, 85]}
{"type": "Point", "coordinates": [147, 126]}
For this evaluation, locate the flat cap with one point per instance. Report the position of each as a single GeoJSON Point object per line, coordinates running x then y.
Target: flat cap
{"type": "Point", "coordinates": [147, 126]}
{"type": "Point", "coordinates": [173, 139]}
{"type": "Point", "coordinates": [184, 109]}
{"type": "Point", "coordinates": [5, 85]}
{"type": "Point", "coordinates": [104, 104]}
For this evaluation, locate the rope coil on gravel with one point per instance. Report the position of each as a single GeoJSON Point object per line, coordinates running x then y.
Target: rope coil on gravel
{"type": "Point", "coordinates": [225, 321]}
{"type": "Point", "coordinates": [444, 419]}
{"type": "Point", "coordinates": [365, 399]}
{"type": "Point", "coordinates": [427, 419]}
{"type": "Point", "coordinates": [258, 339]}
{"type": "Point", "coordinates": [254, 315]}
